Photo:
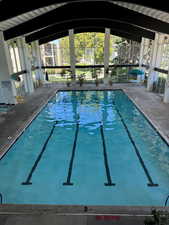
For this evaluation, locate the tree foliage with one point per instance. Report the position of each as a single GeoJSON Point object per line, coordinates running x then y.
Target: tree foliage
{"type": "Point", "coordinates": [89, 47]}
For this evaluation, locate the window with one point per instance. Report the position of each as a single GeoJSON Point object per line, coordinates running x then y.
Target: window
{"type": "Point", "coordinates": [89, 48]}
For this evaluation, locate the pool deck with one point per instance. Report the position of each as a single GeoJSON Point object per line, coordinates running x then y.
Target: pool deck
{"type": "Point", "coordinates": [81, 215]}
{"type": "Point", "coordinates": [13, 123]}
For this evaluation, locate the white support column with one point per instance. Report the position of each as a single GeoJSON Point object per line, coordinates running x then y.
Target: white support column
{"type": "Point", "coordinates": [147, 50]}
{"type": "Point", "coordinates": [42, 53]}
{"type": "Point", "coordinates": [7, 89]}
{"type": "Point", "coordinates": [156, 58]}
{"type": "Point", "coordinates": [53, 55]}
{"type": "Point", "coordinates": [166, 91]}
{"type": "Point", "coordinates": [27, 66]}
{"type": "Point", "coordinates": [160, 48]}
{"type": "Point", "coordinates": [40, 61]}
{"type": "Point", "coordinates": [152, 73]}
{"type": "Point", "coordinates": [59, 58]}
{"type": "Point", "coordinates": [19, 42]}
{"type": "Point", "coordinates": [37, 61]}
{"type": "Point", "coordinates": [106, 54]}
{"type": "Point", "coordinates": [72, 54]}
{"type": "Point", "coordinates": [132, 51]}
{"type": "Point", "coordinates": [142, 46]}
{"type": "Point", "coordinates": [141, 53]}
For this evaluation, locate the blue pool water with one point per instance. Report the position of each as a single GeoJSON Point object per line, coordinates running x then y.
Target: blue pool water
{"type": "Point", "coordinates": [87, 148]}
{"type": "Point", "coordinates": [5, 108]}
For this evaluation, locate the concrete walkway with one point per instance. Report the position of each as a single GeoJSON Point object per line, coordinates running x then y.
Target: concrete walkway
{"type": "Point", "coordinates": [64, 215]}
{"type": "Point", "coordinates": [53, 219]}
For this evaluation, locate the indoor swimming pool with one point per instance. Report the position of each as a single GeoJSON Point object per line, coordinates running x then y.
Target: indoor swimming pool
{"type": "Point", "coordinates": [87, 148]}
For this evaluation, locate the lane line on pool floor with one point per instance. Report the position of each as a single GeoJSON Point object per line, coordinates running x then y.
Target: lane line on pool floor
{"type": "Point", "coordinates": [106, 164]}
{"type": "Point", "coordinates": [151, 183]}
{"type": "Point", "coordinates": [68, 181]}
{"type": "Point", "coordinates": [28, 180]}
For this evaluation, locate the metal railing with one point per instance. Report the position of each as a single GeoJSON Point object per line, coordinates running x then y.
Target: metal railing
{"type": "Point", "coordinates": [1, 199]}
{"type": "Point", "coordinates": [117, 72]}
{"type": "Point", "coordinates": [90, 66]}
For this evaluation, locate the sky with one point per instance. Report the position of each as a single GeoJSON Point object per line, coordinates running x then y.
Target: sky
{"type": "Point", "coordinates": [55, 41]}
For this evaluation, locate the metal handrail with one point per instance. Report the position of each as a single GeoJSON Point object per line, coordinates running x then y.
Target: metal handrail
{"type": "Point", "coordinates": [1, 199]}
{"type": "Point", "coordinates": [156, 69]}
{"type": "Point", "coordinates": [19, 73]}
{"type": "Point", "coordinates": [166, 200]}
{"type": "Point", "coordinates": [161, 70]}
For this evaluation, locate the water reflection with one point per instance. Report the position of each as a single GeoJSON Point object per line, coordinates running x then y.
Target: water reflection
{"type": "Point", "coordinates": [89, 108]}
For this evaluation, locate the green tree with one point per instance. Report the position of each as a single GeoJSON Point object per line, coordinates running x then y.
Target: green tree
{"type": "Point", "coordinates": [64, 50]}
{"type": "Point", "coordinates": [89, 47]}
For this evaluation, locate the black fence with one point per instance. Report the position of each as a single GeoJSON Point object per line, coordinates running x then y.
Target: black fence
{"type": "Point", "coordinates": [118, 72]}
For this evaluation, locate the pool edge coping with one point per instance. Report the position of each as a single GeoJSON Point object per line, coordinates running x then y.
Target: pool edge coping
{"type": "Point", "coordinates": [6, 147]}
{"type": "Point", "coordinates": [147, 117]}
{"type": "Point", "coordinates": [83, 210]}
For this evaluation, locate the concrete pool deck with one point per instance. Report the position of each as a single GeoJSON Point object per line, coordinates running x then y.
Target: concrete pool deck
{"type": "Point", "coordinates": [81, 215]}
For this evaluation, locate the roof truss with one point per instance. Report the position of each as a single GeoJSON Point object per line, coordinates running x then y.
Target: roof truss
{"type": "Point", "coordinates": [113, 25]}
{"type": "Point", "coordinates": [89, 29]}
{"type": "Point", "coordinates": [84, 10]}
{"type": "Point", "coordinates": [26, 6]}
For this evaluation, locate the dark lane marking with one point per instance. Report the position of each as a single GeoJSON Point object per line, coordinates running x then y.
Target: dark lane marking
{"type": "Point", "coordinates": [68, 182]}
{"type": "Point", "coordinates": [109, 181]}
{"type": "Point", "coordinates": [27, 182]}
{"type": "Point", "coordinates": [151, 183]}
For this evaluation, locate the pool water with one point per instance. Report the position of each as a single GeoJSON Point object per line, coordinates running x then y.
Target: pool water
{"type": "Point", "coordinates": [87, 148]}
{"type": "Point", "coordinates": [4, 108]}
